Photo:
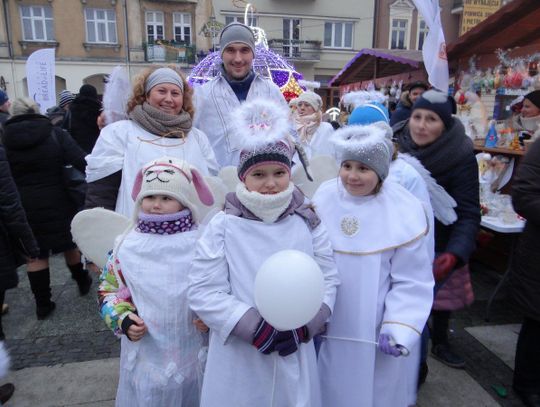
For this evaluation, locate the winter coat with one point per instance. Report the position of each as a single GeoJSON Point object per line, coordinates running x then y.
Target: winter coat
{"type": "Point", "coordinates": [4, 116]}
{"type": "Point", "coordinates": [403, 109]}
{"type": "Point", "coordinates": [15, 233]}
{"type": "Point", "coordinates": [81, 122]}
{"type": "Point", "coordinates": [460, 181]}
{"type": "Point", "coordinates": [524, 282]}
{"type": "Point", "coordinates": [36, 160]}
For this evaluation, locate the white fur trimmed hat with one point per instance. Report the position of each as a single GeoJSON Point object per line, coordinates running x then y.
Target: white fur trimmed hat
{"type": "Point", "coordinates": [369, 145]}
{"type": "Point", "coordinates": [175, 178]}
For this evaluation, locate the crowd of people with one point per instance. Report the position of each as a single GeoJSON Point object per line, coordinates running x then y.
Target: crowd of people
{"type": "Point", "coordinates": [392, 231]}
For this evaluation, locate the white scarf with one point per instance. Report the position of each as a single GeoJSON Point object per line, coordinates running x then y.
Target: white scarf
{"type": "Point", "coordinates": [267, 207]}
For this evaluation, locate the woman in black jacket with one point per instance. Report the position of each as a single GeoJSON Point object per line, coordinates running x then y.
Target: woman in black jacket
{"type": "Point", "coordinates": [17, 241]}
{"type": "Point", "coordinates": [524, 282]}
{"type": "Point", "coordinates": [439, 141]}
{"type": "Point", "coordinates": [36, 158]}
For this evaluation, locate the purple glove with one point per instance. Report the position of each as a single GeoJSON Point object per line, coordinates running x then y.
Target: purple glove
{"type": "Point", "coordinates": [286, 342]}
{"type": "Point", "coordinates": [388, 346]}
{"type": "Point", "coordinates": [264, 337]}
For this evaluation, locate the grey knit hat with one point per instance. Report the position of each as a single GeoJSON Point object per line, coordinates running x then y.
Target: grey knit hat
{"type": "Point", "coordinates": [365, 144]}
{"type": "Point", "coordinates": [236, 32]}
{"type": "Point", "coordinates": [163, 75]}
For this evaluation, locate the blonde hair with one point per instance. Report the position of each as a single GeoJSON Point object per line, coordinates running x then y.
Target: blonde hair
{"type": "Point", "coordinates": [24, 106]}
{"type": "Point", "coordinates": [139, 95]}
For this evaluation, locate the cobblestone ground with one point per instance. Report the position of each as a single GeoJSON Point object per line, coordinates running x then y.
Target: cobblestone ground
{"type": "Point", "coordinates": [75, 333]}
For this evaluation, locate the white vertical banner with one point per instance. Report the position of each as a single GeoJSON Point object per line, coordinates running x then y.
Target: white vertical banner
{"type": "Point", "coordinates": [40, 77]}
{"type": "Point", "coordinates": [434, 48]}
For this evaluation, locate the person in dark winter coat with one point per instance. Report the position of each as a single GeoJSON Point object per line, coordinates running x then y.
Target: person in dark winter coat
{"type": "Point", "coordinates": [407, 99]}
{"type": "Point", "coordinates": [59, 115]}
{"type": "Point", "coordinates": [4, 107]}
{"type": "Point", "coordinates": [524, 282]}
{"type": "Point", "coordinates": [17, 242]}
{"type": "Point", "coordinates": [439, 141]}
{"type": "Point", "coordinates": [81, 120]}
{"type": "Point", "coordinates": [36, 159]}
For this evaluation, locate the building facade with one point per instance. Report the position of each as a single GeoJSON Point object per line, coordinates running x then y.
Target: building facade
{"type": "Point", "coordinates": [91, 37]}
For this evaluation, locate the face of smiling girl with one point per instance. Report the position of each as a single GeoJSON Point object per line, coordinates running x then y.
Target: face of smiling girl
{"type": "Point", "coordinates": [267, 179]}
{"type": "Point", "coordinates": [357, 178]}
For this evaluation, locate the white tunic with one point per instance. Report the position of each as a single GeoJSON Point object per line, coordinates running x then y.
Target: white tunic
{"type": "Point", "coordinates": [320, 142]}
{"type": "Point", "coordinates": [163, 368]}
{"type": "Point", "coordinates": [126, 146]}
{"type": "Point", "coordinates": [222, 276]}
{"type": "Point", "coordinates": [215, 101]}
{"type": "Point", "coordinates": [386, 287]}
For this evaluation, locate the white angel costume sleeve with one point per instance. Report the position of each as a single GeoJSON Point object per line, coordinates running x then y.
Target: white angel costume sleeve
{"type": "Point", "coordinates": [324, 256]}
{"type": "Point", "coordinates": [107, 157]}
{"type": "Point", "coordinates": [209, 291]}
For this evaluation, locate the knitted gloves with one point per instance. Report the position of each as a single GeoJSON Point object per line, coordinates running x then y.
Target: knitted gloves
{"type": "Point", "coordinates": [267, 339]}
{"type": "Point", "coordinates": [443, 265]}
{"type": "Point", "coordinates": [388, 346]}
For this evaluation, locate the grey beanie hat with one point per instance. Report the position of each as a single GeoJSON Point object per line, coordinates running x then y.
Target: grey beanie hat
{"type": "Point", "coordinates": [365, 144]}
{"type": "Point", "coordinates": [236, 32]}
{"type": "Point", "coordinates": [163, 75]}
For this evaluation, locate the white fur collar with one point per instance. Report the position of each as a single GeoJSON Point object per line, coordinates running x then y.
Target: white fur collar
{"type": "Point", "coordinates": [266, 207]}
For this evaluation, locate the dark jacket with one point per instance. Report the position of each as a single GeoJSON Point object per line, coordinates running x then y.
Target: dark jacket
{"type": "Point", "coordinates": [81, 122]}
{"type": "Point", "coordinates": [36, 160]}
{"type": "Point", "coordinates": [524, 281]}
{"type": "Point", "coordinates": [403, 110]}
{"type": "Point", "coordinates": [4, 116]}
{"type": "Point", "coordinates": [16, 238]}
{"type": "Point", "coordinates": [460, 180]}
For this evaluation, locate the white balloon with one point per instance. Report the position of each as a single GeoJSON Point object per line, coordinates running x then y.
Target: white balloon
{"type": "Point", "coordinates": [289, 289]}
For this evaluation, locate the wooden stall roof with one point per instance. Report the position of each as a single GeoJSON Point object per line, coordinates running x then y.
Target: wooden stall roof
{"type": "Point", "coordinates": [514, 25]}
{"type": "Point", "coordinates": [371, 63]}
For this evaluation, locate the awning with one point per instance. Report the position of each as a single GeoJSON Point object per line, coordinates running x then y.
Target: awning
{"type": "Point", "coordinates": [371, 63]}
{"type": "Point", "coordinates": [514, 25]}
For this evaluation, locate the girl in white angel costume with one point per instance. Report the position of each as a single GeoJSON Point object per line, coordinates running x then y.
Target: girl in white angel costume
{"type": "Point", "coordinates": [378, 232]}
{"type": "Point", "coordinates": [143, 289]}
{"type": "Point", "coordinates": [249, 362]}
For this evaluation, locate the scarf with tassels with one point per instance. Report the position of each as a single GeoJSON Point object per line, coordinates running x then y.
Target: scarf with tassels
{"type": "Point", "coordinates": [161, 124]}
{"type": "Point", "coordinates": [307, 125]}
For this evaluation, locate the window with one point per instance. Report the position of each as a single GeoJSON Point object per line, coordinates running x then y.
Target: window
{"type": "Point", "coordinates": [338, 35]}
{"type": "Point", "coordinates": [100, 26]}
{"type": "Point", "coordinates": [37, 23]}
{"type": "Point", "coordinates": [422, 32]}
{"type": "Point", "coordinates": [252, 21]}
{"type": "Point", "coordinates": [154, 26]}
{"type": "Point", "coordinates": [182, 27]}
{"type": "Point", "coordinates": [399, 33]}
{"type": "Point", "coordinates": [291, 36]}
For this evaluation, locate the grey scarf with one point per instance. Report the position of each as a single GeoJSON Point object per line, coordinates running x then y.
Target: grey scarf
{"type": "Point", "coordinates": [161, 124]}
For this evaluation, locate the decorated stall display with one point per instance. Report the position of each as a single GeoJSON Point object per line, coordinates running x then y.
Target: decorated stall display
{"type": "Point", "coordinates": [266, 63]}
{"type": "Point", "coordinates": [494, 171]}
{"type": "Point", "coordinates": [491, 138]}
{"type": "Point", "coordinates": [472, 113]}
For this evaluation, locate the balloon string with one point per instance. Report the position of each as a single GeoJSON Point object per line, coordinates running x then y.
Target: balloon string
{"type": "Point", "coordinates": [274, 381]}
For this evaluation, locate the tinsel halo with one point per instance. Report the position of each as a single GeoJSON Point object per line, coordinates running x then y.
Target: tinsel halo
{"type": "Point", "coordinates": [260, 122]}
{"type": "Point", "coordinates": [357, 138]}
{"type": "Point", "coordinates": [363, 97]}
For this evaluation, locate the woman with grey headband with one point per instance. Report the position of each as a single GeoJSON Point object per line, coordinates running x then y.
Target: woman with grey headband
{"type": "Point", "coordinates": [160, 113]}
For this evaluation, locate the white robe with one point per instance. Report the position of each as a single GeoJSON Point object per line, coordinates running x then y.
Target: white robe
{"type": "Point", "coordinates": [163, 368]}
{"type": "Point", "coordinates": [222, 276]}
{"type": "Point", "coordinates": [386, 287]}
{"type": "Point", "coordinates": [126, 146]}
{"type": "Point", "coordinates": [214, 102]}
{"type": "Point", "coordinates": [320, 142]}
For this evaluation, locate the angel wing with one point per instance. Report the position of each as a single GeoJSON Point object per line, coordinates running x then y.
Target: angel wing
{"type": "Point", "coordinates": [323, 168]}
{"type": "Point", "coordinates": [95, 230]}
{"type": "Point", "coordinates": [219, 191]}
{"type": "Point", "coordinates": [116, 95]}
{"type": "Point", "coordinates": [442, 203]}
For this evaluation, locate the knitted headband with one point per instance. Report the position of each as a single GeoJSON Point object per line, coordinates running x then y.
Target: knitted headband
{"type": "Point", "coordinates": [163, 75]}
